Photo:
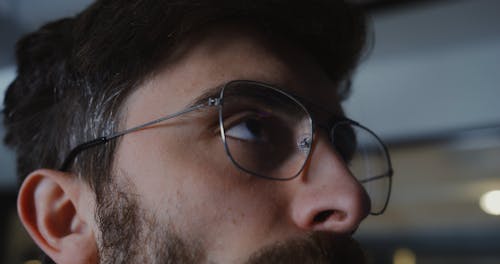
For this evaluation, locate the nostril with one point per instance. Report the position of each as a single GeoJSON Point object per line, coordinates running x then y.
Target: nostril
{"type": "Point", "coordinates": [326, 215]}
{"type": "Point", "coordinates": [322, 216]}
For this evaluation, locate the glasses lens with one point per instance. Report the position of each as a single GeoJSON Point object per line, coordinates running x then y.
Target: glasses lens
{"type": "Point", "coordinates": [367, 160]}
{"type": "Point", "coordinates": [267, 132]}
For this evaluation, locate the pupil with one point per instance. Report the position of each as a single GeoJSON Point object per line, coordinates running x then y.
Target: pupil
{"type": "Point", "coordinates": [254, 127]}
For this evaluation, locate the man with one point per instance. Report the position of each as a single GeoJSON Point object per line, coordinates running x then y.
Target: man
{"type": "Point", "coordinates": [194, 132]}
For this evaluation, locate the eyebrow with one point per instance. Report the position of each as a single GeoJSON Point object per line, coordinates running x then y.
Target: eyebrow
{"type": "Point", "coordinates": [214, 92]}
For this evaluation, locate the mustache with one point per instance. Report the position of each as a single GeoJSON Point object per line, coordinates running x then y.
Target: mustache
{"type": "Point", "coordinates": [317, 248]}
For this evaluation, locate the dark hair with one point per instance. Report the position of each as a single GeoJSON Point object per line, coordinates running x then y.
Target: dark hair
{"type": "Point", "coordinates": [74, 74]}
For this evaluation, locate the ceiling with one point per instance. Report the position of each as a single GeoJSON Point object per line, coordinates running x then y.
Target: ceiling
{"type": "Point", "coordinates": [430, 87]}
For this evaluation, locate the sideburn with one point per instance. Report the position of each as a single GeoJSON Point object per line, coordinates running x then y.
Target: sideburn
{"type": "Point", "coordinates": [132, 234]}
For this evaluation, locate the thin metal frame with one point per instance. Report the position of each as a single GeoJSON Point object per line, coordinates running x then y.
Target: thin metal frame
{"type": "Point", "coordinates": [223, 133]}
{"type": "Point", "coordinates": [218, 102]}
{"type": "Point", "coordinates": [102, 140]}
{"type": "Point", "coordinates": [390, 171]}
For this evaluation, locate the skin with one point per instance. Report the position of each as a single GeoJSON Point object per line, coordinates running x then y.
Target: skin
{"type": "Point", "coordinates": [179, 175]}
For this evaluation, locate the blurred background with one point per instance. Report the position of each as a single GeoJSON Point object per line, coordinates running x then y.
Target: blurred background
{"type": "Point", "coordinates": [430, 87]}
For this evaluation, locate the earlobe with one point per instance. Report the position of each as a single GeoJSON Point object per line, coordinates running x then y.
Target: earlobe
{"type": "Point", "coordinates": [54, 208]}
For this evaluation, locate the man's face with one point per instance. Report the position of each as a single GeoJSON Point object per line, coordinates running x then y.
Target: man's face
{"type": "Point", "coordinates": [177, 194]}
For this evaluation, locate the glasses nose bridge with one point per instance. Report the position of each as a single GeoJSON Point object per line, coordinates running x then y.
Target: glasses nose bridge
{"type": "Point", "coordinates": [320, 126]}
{"type": "Point", "coordinates": [320, 133]}
{"type": "Point", "coordinates": [316, 126]}
{"type": "Point", "coordinates": [320, 118]}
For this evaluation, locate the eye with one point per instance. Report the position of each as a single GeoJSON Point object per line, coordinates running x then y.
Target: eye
{"type": "Point", "coordinates": [248, 129]}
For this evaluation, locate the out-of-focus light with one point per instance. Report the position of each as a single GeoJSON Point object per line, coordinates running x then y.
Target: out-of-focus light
{"type": "Point", "coordinates": [404, 256]}
{"type": "Point", "coordinates": [33, 262]}
{"type": "Point", "coordinates": [490, 202]}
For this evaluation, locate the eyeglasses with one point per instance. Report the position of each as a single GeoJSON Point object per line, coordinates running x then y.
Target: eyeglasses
{"type": "Point", "coordinates": [269, 133]}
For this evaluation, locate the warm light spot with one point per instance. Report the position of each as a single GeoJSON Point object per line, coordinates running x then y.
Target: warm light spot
{"type": "Point", "coordinates": [404, 256]}
{"type": "Point", "coordinates": [490, 202]}
{"type": "Point", "coordinates": [33, 262]}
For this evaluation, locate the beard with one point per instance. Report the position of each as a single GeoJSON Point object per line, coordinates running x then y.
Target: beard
{"type": "Point", "coordinates": [131, 234]}
{"type": "Point", "coordinates": [317, 248]}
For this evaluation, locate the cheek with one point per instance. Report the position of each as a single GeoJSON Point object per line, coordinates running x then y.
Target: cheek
{"type": "Point", "coordinates": [179, 173]}
{"type": "Point", "coordinates": [189, 182]}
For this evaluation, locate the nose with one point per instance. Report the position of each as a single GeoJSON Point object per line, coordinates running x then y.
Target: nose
{"type": "Point", "coordinates": [326, 197]}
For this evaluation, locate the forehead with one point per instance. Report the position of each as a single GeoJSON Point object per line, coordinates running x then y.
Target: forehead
{"type": "Point", "coordinates": [224, 53]}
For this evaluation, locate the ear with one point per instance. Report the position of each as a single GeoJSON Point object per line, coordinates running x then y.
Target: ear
{"type": "Point", "coordinates": [56, 208]}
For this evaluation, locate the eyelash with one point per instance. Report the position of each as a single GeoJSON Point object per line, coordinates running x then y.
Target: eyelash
{"type": "Point", "coordinates": [232, 117]}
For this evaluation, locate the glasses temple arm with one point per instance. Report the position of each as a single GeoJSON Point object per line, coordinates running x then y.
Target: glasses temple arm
{"type": "Point", "coordinates": [156, 121]}
{"type": "Point", "coordinates": [75, 151]}
{"type": "Point", "coordinates": [387, 174]}
{"type": "Point", "coordinates": [102, 140]}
